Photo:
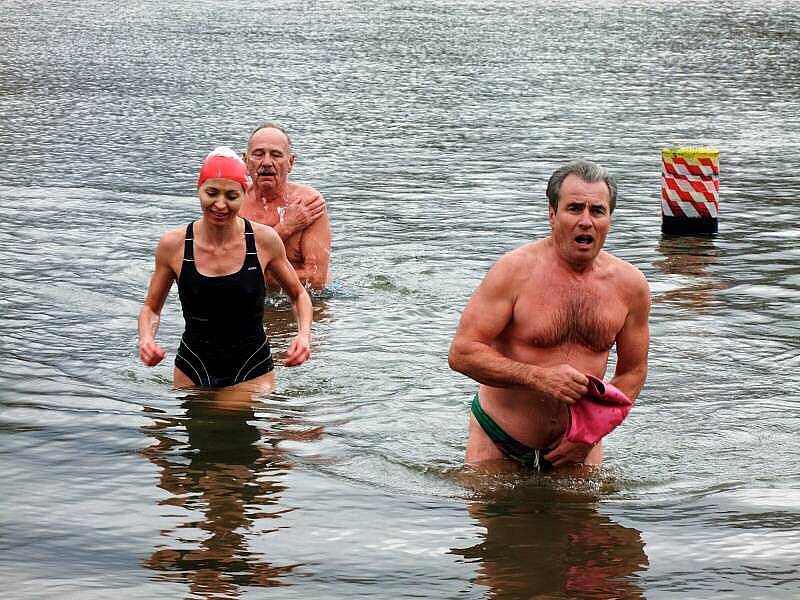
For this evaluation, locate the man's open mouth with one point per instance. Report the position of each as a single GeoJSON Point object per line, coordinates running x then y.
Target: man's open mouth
{"type": "Point", "coordinates": [584, 239]}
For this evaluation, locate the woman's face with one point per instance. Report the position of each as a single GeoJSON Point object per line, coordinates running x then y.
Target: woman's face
{"type": "Point", "coordinates": [220, 199]}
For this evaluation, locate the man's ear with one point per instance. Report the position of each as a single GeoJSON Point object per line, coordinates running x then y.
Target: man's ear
{"type": "Point", "coordinates": [551, 215]}
{"type": "Point", "coordinates": [292, 157]}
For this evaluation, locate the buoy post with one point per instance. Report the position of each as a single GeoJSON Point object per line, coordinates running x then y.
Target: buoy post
{"type": "Point", "coordinates": [689, 190]}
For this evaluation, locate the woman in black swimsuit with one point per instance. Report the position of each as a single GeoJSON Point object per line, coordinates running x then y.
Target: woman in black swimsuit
{"type": "Point", "coordinates": [219, 262]}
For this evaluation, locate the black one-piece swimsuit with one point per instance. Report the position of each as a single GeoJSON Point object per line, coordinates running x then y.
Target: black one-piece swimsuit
{"type": "Point", "coordinates": [224, 340]}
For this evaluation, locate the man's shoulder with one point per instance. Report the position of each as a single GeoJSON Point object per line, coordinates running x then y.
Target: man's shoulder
{"type": "Point", "coordinates": [520, 263]}
{"type": "Point", "coordinates": [525, 255]}
{"type": "Point", "coordinates": [625, 272]}
{"type": "Point", "coordinates": [301, 190]}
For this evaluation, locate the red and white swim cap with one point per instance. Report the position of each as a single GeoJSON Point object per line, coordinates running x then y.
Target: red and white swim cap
{"type": "Point", "coordinates": [224, 163]}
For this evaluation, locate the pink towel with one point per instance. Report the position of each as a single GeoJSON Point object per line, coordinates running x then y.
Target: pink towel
{"type": "Point", "coordinates": [596, 414]}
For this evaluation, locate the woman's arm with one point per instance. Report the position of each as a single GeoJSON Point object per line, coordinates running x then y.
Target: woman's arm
{"type": "Point", "coordinates": [150, 315]}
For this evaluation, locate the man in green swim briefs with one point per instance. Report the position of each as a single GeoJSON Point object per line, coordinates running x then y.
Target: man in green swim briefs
{"type": "Point", "coordinates": [545, 316]}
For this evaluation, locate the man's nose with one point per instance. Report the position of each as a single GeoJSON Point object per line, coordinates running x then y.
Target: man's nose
{"type": "Point", "coordinates": [585, 219]}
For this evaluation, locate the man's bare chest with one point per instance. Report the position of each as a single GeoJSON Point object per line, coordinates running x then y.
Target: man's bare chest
{"type": "Point", "coordinates": [588, 316]}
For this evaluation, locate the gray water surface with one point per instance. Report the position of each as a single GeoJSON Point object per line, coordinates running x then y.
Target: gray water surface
{"type": "Point", "coordinates": [431, 128]}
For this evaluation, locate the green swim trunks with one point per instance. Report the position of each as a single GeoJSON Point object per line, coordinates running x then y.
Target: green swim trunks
{"type": "Point", "coordinates": [531, 458]}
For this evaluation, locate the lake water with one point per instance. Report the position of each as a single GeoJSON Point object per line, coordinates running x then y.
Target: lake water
{"type": "Point", "coordinates": [431, 128]}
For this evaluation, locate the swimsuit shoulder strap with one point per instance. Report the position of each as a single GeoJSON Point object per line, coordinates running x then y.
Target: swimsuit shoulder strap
{"type": "Point", "coordinates": [249, 237]}
{"type": "Point", "coordinates": [188, 243]}
{"type": "Point", "coordinates": [251, 256]}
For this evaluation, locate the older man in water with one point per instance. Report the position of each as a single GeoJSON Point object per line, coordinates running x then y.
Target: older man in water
{"type": "Point", "coordinates": [296, 211]}
{"type": "Point", "coordinates": [544, 318]}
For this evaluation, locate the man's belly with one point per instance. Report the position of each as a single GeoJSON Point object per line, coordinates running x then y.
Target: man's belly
{"type": "Point", "coordinates": [525, 416]}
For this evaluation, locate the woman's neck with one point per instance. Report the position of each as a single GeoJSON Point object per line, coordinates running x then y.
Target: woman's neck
{"type": "Point", "coordinates": [219, 234]}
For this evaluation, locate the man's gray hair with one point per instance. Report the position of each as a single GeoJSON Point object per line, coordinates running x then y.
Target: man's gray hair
{"type": "Point", "coordinates": [589, 172]}
{"type": "Point", "coordinates": [270, 125]}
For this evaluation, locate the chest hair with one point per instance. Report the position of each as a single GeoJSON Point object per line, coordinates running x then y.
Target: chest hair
{"type": "Point", "coordinates": [579, 317]}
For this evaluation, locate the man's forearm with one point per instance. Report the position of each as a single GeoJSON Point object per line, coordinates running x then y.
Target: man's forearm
{"type": "Point", "coordinates": [630, 382]}
{"type": "Point", "coordinates": [283, 230]}
{"type": "Point", "coordinates": [311, 275]}
{"type": "Point", "coordinates": [489, 367]}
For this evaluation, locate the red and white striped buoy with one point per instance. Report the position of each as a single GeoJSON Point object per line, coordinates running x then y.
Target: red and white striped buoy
{"type": "Point", "coordinates": [689, 190]}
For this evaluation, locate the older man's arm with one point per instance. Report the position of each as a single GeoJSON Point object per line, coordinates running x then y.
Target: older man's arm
{"type": "Point", "coordinates": [300, 214]}
{"type": "Point", "coordinates": [315, 247]}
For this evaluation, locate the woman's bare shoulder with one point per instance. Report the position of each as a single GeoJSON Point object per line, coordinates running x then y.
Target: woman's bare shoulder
{"type": "Point", "coordinates": [172, 239]}
{"type": "Point", "coordinates": [266, 236]}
